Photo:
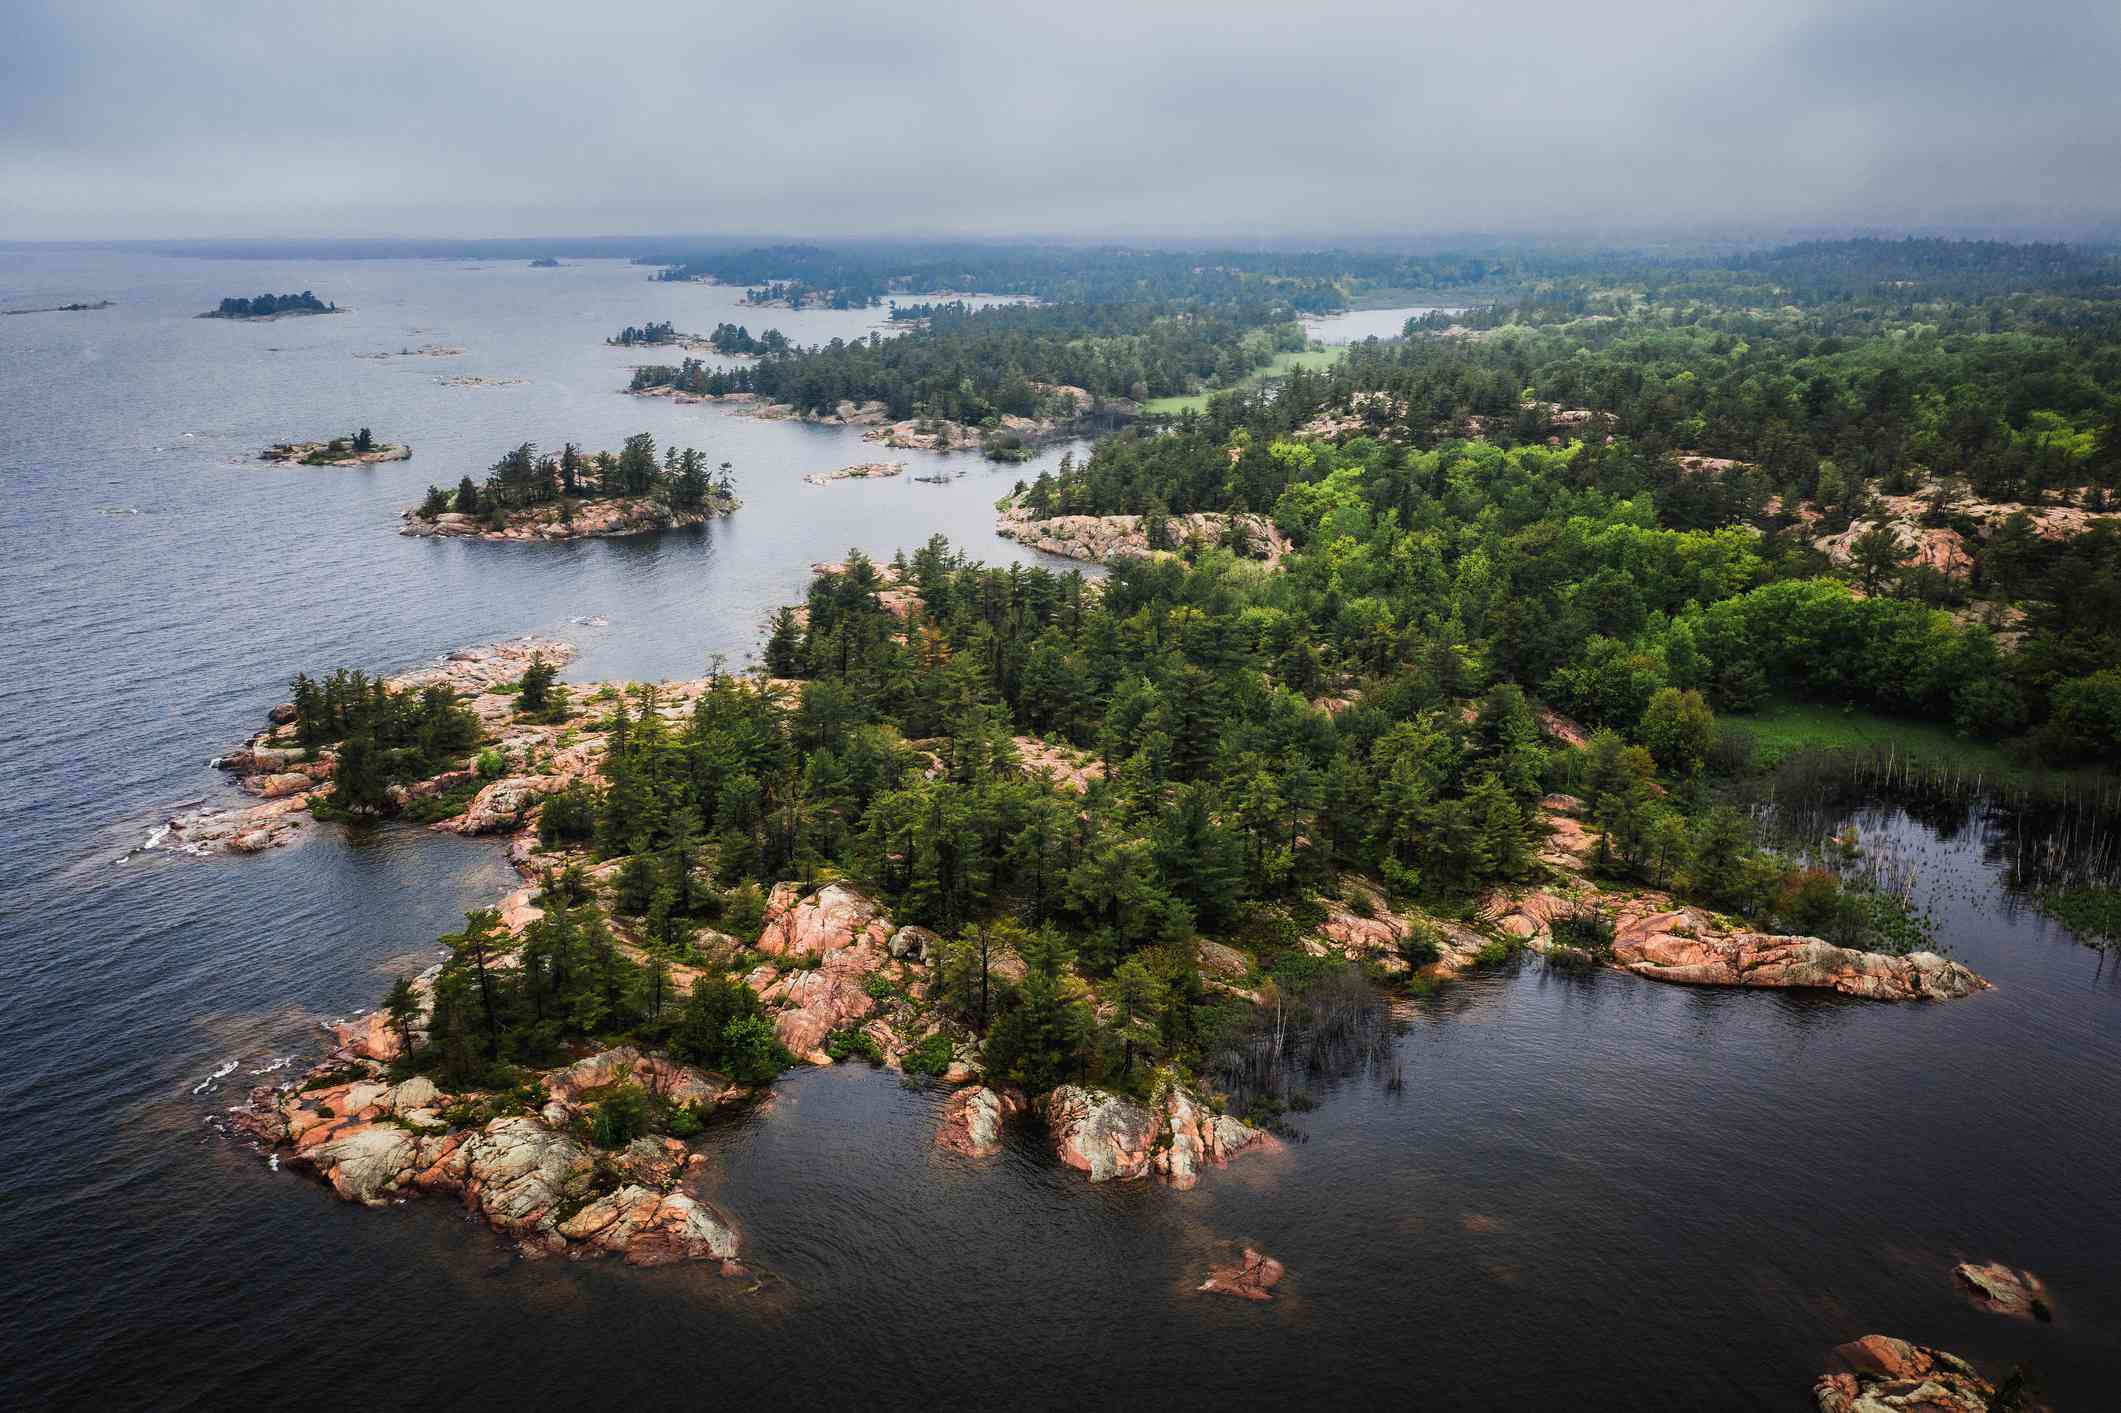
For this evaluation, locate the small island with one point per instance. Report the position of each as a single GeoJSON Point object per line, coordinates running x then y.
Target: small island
{"type": "Point", "coordinates": [544, 262]}
{"type": "Point", "coordinates": [261, 307]}
{"type": "Point", "coordinates": [868, 470]}
{"type": "Point", "coordinates": [529, 495]}
{"type": "Point", "coordinates": [360, 449]}
{"type": "Point", "coordinates": [76, 308]}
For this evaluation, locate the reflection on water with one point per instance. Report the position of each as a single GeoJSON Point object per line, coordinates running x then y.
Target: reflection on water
{"type": "Point", "coordinates": [1588, 1189]}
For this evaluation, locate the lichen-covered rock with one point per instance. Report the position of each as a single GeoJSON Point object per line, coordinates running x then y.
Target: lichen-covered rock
{"type": "Point", "coordinates": [1997, 1287]}
{"type": "Point", "coordinates": [1195, 1138]}
{"type": "Point", "coordinates": [973, 1118]}
{"type": "Point", "coordinates": [1252, 1277]}
{"type": "Point", "coordinates": [361, 1161]}
{"type": "Point", "coordinates": [1104, 1135]}
{"type": "Point", "coordinates": [650, 1228]}
{"type": "Point", "coordinates": [517, 1171]}
{"type": "Point", "coordinates": [1887, 1375]}
{"type": "Point", "coordinates": [1111, 1137]}
{"type": "Point", "coordinates": [833, 917]}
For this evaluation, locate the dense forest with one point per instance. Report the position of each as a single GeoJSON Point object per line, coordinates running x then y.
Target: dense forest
{"type": "Point", "coordinates": [265, 306]}
{"type": "Point", "coordinates": [1567, 544]}
{"type": "Point", "coordinates": [972, 365]}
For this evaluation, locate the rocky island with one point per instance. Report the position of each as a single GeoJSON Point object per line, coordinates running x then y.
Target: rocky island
{"type": "Point", "coordinates": [359, 449]}
{"type": "Point", "coordinates": [261, 307]}
{"type": "Point", "coordinates": [568, 496]}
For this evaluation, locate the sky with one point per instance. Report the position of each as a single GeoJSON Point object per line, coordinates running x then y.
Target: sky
{"type": "Point", "coordinates": [154, 119]}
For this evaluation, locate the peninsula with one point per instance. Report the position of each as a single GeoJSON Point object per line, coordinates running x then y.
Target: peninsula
{"type": "Point", "coordinates": [718, 885]}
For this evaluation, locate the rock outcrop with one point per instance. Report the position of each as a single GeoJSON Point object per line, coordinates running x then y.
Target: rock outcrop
{"type": "Point", "coordinates": [973, 1118]}
{"type": "Point", "coordinates": [1676, 946]}
{"type": "Point", "coordinates": [1112, 1137]}
{"type": "Point", "coordinates": [1881, 1374]}
{"type": "Point", "coordinates": [1099, 538]}
{"type": "Point", "coordinates": [1252, 1277]}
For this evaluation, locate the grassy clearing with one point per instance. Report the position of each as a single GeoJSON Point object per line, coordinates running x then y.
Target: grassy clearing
{"type": "Point", "coordinates": [1311, 358]}
{"type": "Point", "coordinates": [1782, 728]}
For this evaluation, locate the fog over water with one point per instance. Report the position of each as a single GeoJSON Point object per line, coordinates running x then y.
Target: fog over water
{"type": "Point", "coordinates": [1592, 1190]}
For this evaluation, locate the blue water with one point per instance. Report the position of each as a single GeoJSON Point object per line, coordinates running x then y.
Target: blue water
{"type": "Point", "coordinates": [1590, 1192]}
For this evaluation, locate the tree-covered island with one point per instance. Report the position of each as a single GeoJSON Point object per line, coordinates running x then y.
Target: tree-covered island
{"type": "Point", "coordinates": [271, 306]}
{"type": "Point", "coordinates": [529, 494]}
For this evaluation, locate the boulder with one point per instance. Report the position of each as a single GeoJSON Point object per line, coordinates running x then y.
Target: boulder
{"type": "Point", "coordinates": [973, 1119]}
{"type": "Point", "coordinates": [1251, 1277]}
{"type": "Point", "coordinates": [1997, 1287]}
{"type": "Point", "coordinates": [916, 942]}
{"type": "Point", "coordinates": [1220, 960]}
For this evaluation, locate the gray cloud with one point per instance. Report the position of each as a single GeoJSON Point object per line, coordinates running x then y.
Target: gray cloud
{"type": "Point", "coordinates": [149, 117]}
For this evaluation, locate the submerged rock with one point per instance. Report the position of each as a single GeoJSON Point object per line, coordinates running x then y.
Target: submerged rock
{"type": "Point", "coordinates": [1253, 1277]}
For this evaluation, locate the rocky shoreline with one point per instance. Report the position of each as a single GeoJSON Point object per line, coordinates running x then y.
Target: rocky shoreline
{"type": "Point", "coordinates": [832, 962]}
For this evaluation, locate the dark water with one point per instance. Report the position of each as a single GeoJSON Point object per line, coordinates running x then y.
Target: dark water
{"type": "Point", "coordinates": [1590, 1192]}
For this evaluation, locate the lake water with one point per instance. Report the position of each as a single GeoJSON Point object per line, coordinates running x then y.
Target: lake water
{"type": "Point", "coordinates": [1591, 1191]}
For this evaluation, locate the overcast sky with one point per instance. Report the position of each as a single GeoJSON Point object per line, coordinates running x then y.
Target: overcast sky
{"type": "Point", "coordinates": [151, 118]}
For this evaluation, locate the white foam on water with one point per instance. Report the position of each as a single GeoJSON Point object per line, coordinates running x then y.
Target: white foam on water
{"type": "Point", "coordinates": [221, 1073]}
{"type": "Point", "coordinates": [280, 1064]}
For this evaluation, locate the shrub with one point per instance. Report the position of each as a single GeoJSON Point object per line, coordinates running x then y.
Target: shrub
{"type": "Point", "coordinates": [1586, 930]}
{"type": "Point", "coordinates": [845, 1044]}
{"type": "Point", "coordinates": [492, 764]}
{"type": "Point", "coordinates": [932, 1056]}
{"type": "Point", "coordinates": [1421, 946]}
{"type": "Point", "coordinates": [621, 1118]}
